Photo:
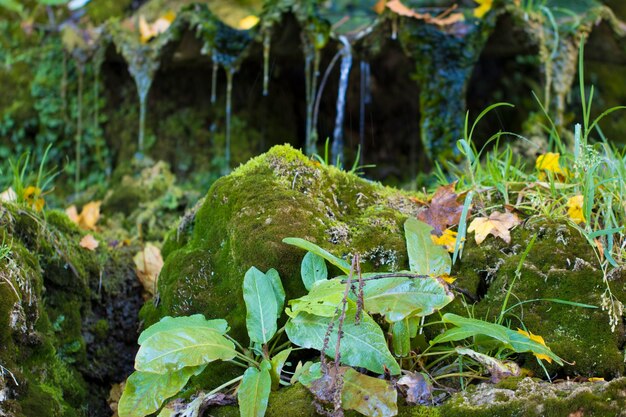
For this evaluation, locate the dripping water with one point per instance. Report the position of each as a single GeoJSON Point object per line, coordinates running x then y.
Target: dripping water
{"type": "Point", "coordinates": [230, 72]}
{"type": "Point", "coordinates": [214, 81]}
{"type": "Point", "coordinates": [143, 73]}
{"type": "Point", "coordinates": [365, 98]}
{"type": "Point", "coordinates": [344, 76]}
{"type": "Point", "coordinates": [267, 37]}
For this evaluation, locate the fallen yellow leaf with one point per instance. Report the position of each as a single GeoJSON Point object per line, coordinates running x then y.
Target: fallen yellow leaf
{"type": "Point", "coordinates": [575, 209]}
{"type": "Point", "coordinates": [148, 264]}
{"type": "Point", "coordinates": [148, 31]}
{"type": "Point", "coordinates": [89, 215]}
{"type": "Point", "coordinates": [447, 278]}
{"type": "Point", "coordinates": [447, 239]}
{"type": "Point", "coordinates": [538, 339]}
{"type": "Point", "coordinates": [33, 198]}
{"type": "Point", "coordinates": [72, 213]}
{"type": "Point", "coordinates": [549, 162]}
{"type": "Point", "coordinates": [497, 224]}
{"type": "Point", "coordinates": [596, 379]}
{"type": "Point", "coordinates": [483, 7]}
{"type": "Point", "coordinates": [89, 242]}
{"type": "Point", "coordinates": [379, 7]}
{"type": "Point", "coordinates": [248, 22]}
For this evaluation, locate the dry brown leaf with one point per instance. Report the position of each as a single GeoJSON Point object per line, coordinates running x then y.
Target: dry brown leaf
{"type": "Point", "coordinates": [89, 215]}
{"type": "Point", "coordinates": [497, 224]}
{"type": "Point", "coordinates": [379, 7]}
{"type": "Point", "coordinates": [89, 242]}
{"type": "Point", "coordinates": [419, 390]}
{"type": "Point", "coordinates": [443, 19]}
{"type": "Point", "coordinates": [444, 209]}
{"type": "Point", "coordinates": [148, 264]}
{"type": "Point", "coordinates": [114, 397]}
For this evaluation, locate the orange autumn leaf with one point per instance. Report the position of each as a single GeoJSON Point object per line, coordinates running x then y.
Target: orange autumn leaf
{"type": "Point", "coordinates": [89, 242]}
{"type": "Point", "coordinates": [148, 264]}
{"type": "Point", "coordinates": [88, 217]}
{"type": "Point", "coordinates": [379, 7]}
{"type": "Point", "coordinates": [443, 19]}
{"type": "Point", "coordinates": [497, 224]}
{"type": "Point", "coordinates": [538, 339]}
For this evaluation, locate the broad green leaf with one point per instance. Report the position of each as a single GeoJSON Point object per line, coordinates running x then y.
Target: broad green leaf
{"type": "Point", "coordinates": [425, 257]}
{"type": "Point", "coordinates": [322, 300]}
{"type": "Point", "coordinates": [171, 350]}
{"type": "Point", "coordinates": [312, 247]}
{"type": "Point", "coordinates": [254, 392]}
{"type": "Point", "coordinates": [509, 338]}
{"type": "Point", "coordinates": [170, 323]}
{"type": "Point", "coordinates": [53, 2]}
{"type": "Point", "coordinates": [261, 306]}
{"type": "Point", "coordinates": [400, 338]}
{"type": "Point", "coordinates": [369, 396]}
{"type": "Point", "coordinates": [400, 297]}
{"type": "Point", "coordinates": [362, 345]}
{"type": "Point", "coordinates": [145, 392]}
{"type": "Point", "coordinates": [278, 361]}
{"type": "Point", "coordinates": [312, 269]}
{"type": "Point", "coordinates": [279, 291]}
{"type": "Point", "coordinates": [310, 371]}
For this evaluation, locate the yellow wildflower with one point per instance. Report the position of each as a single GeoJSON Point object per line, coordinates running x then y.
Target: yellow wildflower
{"type": "Point", "coordinates": [575, 209]}
{"type": "Point", "coordinates": [549, 162]}
{"type": "Point", "coordinates": [447, 239]}
{"type": "Point", "coordinates": [33, 198]}
{"type": "Point", "coordinates": [538, 339]}
{"type": "Point", "coordinates": [483, 7]}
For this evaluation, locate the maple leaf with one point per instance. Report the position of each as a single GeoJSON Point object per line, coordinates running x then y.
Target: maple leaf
{"type": "Point", "coordinates": [447, 239]}
{"type": "Point", "coordinates": [148, 264]}
{"type": "Point", "coordinates": [443, 19]}
{"type": "Point", "coordinates": [575, 209]}
{"type": "Point", "coordinates": [89, 242]}
{"type": "Point", "coordinates": [444, 209]}
{"type": "Point", "coordinates": [483, 7]}
{"type": "Point", "coordinates": [538, 339]}
{"type": "Point", "coordinates": [497, 224]}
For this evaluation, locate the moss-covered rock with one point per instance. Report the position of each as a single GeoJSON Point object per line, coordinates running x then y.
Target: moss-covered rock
{"type": "Point", "coordinates": [57, 308]}
{"type": "Point", "coordinates": [560, 265]}
{"type": "Point", "coordinates": [246, 215]}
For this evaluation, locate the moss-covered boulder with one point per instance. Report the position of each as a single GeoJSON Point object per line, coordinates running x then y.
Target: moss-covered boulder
{"type": "Point", "coordinates": [67, 317]}
{"type": "Point", "coordinates": [246, 215]}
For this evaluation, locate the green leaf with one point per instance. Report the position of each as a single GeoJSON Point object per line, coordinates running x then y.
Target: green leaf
{"type": "Point", "coordinates": [312, 247]}
{"type": "Point", "coordinates": [425, 257]}
{"type": "Point", "coordinates": [511, 339]}
{"type": "Point", "coordinates": [369, 396]}
{"type": "Point", "coordinates": [310, 371]}
{"type": "Point", "coordinates": [400, 297]}
{"type": "Point", "coordinates": [13, 5]}
{"type": "Point", "coordinates": [274, 278]}
{"type": "Point", "coordinates": [400, 338]}
{"type": "Point", "coordinates": [53, 2]}
{"type": "Point", "coordinates": [278, 361]}
{"type": "Point", "coordinates": [171, 350]}
{"type": "Point", "coordinates": [313, 269]}
{"type": "Point", "coordinates": [261, 306]}
{"type": "Point", "coordinates": [170, 323]}
{"type": "Point", "coordinates": [254, 392]}
{"type": "Point", "coordinates": [323, 299]}
{"type": "Point", "coordinates": [145, 392]}
{"type": "Point", "coordinates": [362, 345]}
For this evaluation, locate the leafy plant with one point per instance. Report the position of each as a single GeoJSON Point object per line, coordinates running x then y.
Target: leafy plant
{"type": "Point", "coordinates": [178, 348]}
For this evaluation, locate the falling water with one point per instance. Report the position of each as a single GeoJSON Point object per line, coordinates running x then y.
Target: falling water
{"type": "Point", "coordinates": [311, 74]}
{"type": "Point", "coordinates": [214, 81]}
{"type": "Point", "coordinates": [142, 69]}
{"type": "Point", "coordinates": [365, 98]}
{"type": "Point", "coordinates": [344, 76]}
{"type": "Point", "coordinates": [267, 38]}
{"type": "Point", "coordinates": [230, 72]}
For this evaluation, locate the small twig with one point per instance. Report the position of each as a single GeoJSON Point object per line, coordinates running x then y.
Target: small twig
{"type": "Point", "coordinates": [391, 275]}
